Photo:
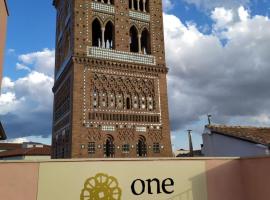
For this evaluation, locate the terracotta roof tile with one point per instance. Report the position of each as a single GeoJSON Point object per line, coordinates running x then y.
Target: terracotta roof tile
{"type": "Point", "coordinates": [259, 135]}
{"type": "Point", "coordinates": [27, 152]}
{"type": "Point", "coordinates": [10, 146]}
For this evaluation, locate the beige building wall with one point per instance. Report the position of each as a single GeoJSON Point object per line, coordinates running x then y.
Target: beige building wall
{"type": "Point", "coordinates": [194, 179]}
{"type": "Point", "coordinates": [3, 25]}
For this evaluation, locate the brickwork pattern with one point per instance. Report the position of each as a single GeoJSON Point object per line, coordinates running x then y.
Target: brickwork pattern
{"type": "Point", "coordinates": [97, 112]}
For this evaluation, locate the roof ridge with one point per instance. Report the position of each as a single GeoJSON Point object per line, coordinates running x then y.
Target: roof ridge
{"type": "Point", "coordinates": [237, 126]}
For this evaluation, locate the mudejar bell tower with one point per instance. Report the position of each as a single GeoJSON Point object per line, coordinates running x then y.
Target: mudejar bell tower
{"type": "Point", "coordinates": [110, 92]}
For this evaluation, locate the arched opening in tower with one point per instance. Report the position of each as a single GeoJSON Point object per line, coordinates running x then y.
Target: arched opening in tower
{"type": "Point", "coordinates": [135, 4]}
{"type": "Point", "coordinates": [147, 6]}
{"type": "Point", "coordinates": [133, 33]}
{"type": "Point", "coordinates": [130, 4]}
{"type": "Point", "coordinates": [141, 5]}
{"type": "Point", "coordinates": [109, 35]}
{"type": "Point", "coordinates": [145, 42]}
{"type": "Point", "coordinates": [109, 2]}
{"type": "Point", "coordinates": [96, 33]}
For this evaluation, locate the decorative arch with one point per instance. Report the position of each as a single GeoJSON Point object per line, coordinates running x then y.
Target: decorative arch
{"type": "Point", "coordinates": [109, 34]}
{"type": "Point", "coordinates": [141, 147]}
{"type": "Point", "coordinates": [109, 146]}
{"type": "Point", "coordinates": [145, 41]}
{"type": "Point", "coordinates": [96, 32]}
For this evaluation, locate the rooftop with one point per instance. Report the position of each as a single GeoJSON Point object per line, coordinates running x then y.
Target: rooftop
{"type": "Point", "coordinates": [258, 135]}
{"type": "Point", "coordinates": [35, 151]}
{"type": "Point", "coordinates": [24, 149]}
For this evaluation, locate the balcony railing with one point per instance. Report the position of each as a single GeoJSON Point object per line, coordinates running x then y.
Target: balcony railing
{"type": "Point", "coordinates": [139, 16]}
{"type": "Point", "coordinates": [110, 54]}
{"type": "Point", "coordinates": [103, 7]}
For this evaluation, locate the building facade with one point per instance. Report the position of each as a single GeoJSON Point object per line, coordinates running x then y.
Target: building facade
{"type": "Point", "coordinates": [235, 141]}
{"type": "Point", "coordinates": [110, 92]}
{"type": "Point", "coordinates": [3, 26]}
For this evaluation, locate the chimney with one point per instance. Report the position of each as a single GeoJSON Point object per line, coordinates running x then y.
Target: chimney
{"type": "Point", "coordinates": [191, 153]}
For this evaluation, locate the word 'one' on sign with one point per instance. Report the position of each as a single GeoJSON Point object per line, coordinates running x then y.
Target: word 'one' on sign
{"type": "Point", "coordinates": [152, 186]}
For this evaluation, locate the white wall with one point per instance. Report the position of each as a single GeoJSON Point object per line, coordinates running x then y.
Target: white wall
{"type": "Point", "coordinates": [223, 146]}
{"type": "Point", "coordinates": [37, 158]}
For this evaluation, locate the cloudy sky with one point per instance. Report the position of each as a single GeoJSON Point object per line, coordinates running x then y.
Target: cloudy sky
{"type": "Point", "coordinates": [218, 52]}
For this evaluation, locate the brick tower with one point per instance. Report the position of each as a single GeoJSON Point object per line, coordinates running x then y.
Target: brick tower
{"type": "Point", "coordinates": [110, 92]}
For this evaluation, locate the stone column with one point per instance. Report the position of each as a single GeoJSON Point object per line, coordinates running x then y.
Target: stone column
{"type": "Point", "coordinates": [138, 5]}
{"type": "Point", "coordinates": [132, 4]}
{"type": "Point", "coordinates": [144, 5]}
{"type": "Point", "coordinates": [103, 37]}
{"type": "Point", "coordinates": [139, 43]}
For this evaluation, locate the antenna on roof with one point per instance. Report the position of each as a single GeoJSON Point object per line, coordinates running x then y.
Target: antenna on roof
{"type": "Point", "coordinates": [209, 117]}
{"type": "Point", "coordinates": [190, 143]}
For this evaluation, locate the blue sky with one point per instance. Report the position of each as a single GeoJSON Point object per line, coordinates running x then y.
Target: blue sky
{"type": "Point", "coordinates": [217, 52]}
{"type": "Point", "coordinates": [31, 27]}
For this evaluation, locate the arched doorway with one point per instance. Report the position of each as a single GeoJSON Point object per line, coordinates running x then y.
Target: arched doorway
{"type": "Point", "coordinates": [142, 147]}
{"type": "Point", "coordinates": [109, 147]}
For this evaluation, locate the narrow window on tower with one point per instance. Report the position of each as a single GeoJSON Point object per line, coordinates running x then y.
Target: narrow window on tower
{"type": "Point", "coordinates": [133, 33]}
{"type": "Point", "coordinates": [96, 33]}
{"type": "Point", "coordinates": [135, 4]}
{"type": "Point", "coordinates": [95, 98]}
{"type": "Point", "coordinates": [145, 42]}
{"type": "Point", "coordinates": [109, 35]}
{"type": "Point", "coordinates": [130, 4]}
{"type": "Point", "coordinates": [109, 2]}
{"type": "Point", "coordinates": [150, 103]}
{"type": "Point", "coordinates": [156, 148]}
{"type": "Point", "coordinates": [141, 8]}
{"type": "Point", "coordinates": [128, 103]}
{"type": "Point", "coordinates": [146, 5]}
{"type": "Point", "coordinates": [135, 102]}
{"type": "Point", "coordinates": [91, 148]}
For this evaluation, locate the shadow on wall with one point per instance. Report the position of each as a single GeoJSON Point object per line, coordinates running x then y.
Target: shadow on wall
{"type": "Point", "coordinates": [239, 179]}
{"type": "Point", "coordinates": [186, 195]}
{"type": "Point", "coordinates": [197, 190]}
{"type": "Point", "coordinates": [227, 179]}
{"type": "Point", "coordinates": [224, 180]}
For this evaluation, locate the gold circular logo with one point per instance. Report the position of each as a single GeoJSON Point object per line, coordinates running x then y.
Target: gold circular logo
{"type": "Point", "coordinates": [101, 187]}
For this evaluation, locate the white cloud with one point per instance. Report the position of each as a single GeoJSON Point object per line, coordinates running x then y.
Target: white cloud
{"type": "Point", "coordinates": [243, 14]}
{"type": "Point", "coordinates": [167, 4]}
{"type": "Point", "coordinates": [222, 17]}
{"type": "Point", "coordinates": [11, 51]}
{"type": "Point", "coordinates": [26, 103]}
{"type": "Point", "coordinates": [225, 19]}
{"type": "Point", "coordinates": [7, 83]}
{"type": "Point", "coordinates": [8, 103]}
{"type": "Point", "coordinates": [209, 5]}
{"type": "Point", "coordinates": [41, 61]}
{"type": "Point", "coordinates": [20, 66]}
{"type": "Point", "coordinates": [34, 138]}
{"type": "Point", "coordinates": [230, 82]}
